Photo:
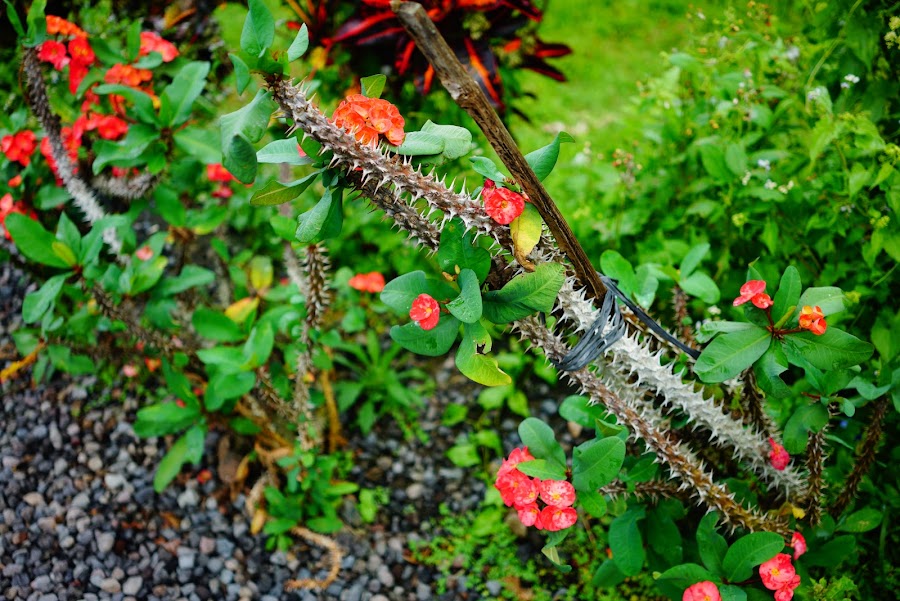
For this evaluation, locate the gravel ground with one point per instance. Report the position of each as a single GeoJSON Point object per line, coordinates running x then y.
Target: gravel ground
{"type": "Point", "coordinates": [79, 518]}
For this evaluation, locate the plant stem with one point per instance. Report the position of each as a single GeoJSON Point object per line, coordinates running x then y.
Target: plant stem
{"type": "Point", "coordinates": [864, 461]}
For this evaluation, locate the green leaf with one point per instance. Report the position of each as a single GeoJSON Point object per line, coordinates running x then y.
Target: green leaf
{"type": "Point", "coordinates": [543, 160]}
{"type": "Point", "coordinates": [487, 168]}
{"type": "Point", "coordinates": [240, 159]}
{"type": "Point", "coordinates": [417, 143]}
{"type": "Point", "coordinates": [835, 349]}
{"type": "Point", "coordinates": [467, 306]}
{"type": "Point", "coordinates": [373, 85]}
{"type": "Point", "coordinates": [711, 328]}
{"type": "Point", "coordinates": [283, 151]}
{"type": "Point", "coordinates": [259, 345]}
{"type": "Point", "coordinates": [475, 366]}
{"type": "Point", "coordinates": [748, 552]}
{"type": "Point", "coordinates": [400, 292]}
{"type": "Point", "coordinates": [579, 409]}
{"type": "Point", "coordinates": [431, 343]}
{"type": "Point", "coordinates": [66, 254]}
{"type": "Point", "coordinates": [13, 16]}
{"type": "Point", "coordinates": [275, 193]}
{"type": "Point", "coordinates": [33, 240]}
{"type": "Point", "coordinates": [457, 250]}
{"type": "Point", "coordinates": [597, 463]}
{"type": "Point", "coordinates": [861, 521]}
{"type": "Point", "coordinates": [226, 386]}
{"type": "Point", "coordinates": [259, 29]}
{"type": "Point", "coordinates": [37, 23]}
{"type": "Point", "coordinates": [241, 72]}
{"type": "Point", "coordinates": [543, 469]}
{"type": "Point", "coordinates": [178, 97]}
{"type": "Point", "coordinates": [141, 101]}
{"type": "Point", "coordinates": [215, 326]}
{"type": "Point", "coordinates": [711, 545]}
{"type": "Point", "coordinates": [827, 298]}
{"type": "Point", "coordinates": [693, 258]}
{"type": "Point", "coordinates": [201, 144]}
{"type": "Point", "coordinates": [730, 354]}
{"type": "Point", "coordinates": [730, 592]}
{"type": "Point", "coordinates": [324, 220]}
{"type": "Point", "coordinates": [525, 294]}
{"type": "Point", "coordinates": [42, 300]}
{"type": "Point", "coordinates": [551, 552]}
{"type": "Point", "coordinates": [191, 276]}
{"type": "Point", "coordinates": [248, 123]}
{"type": "Point", "coordinates": [67, 233]}
{"type": "Point", "coordinates": [163, 418]}
{"type": "Point", "coordinates": [736, 159]}
{"type": "Point", "coordinates": [617, 267]}
{"type": "Point", "coordinates": [541, 442]}
{"type": "Point", "coordinates": [768, 372]}
{"type": "Point", "coordinates": [807, 418]}
{"type": "Point", "coordinates": [188, 447]}
{"type": "Point", "coordinates": [831, 553]}
{"type": "Point", "coordinates": [626, 542]}
{"type": "Point", "coordinates": [713, 160]}
{"type": "Point", "coordinates": [137, 148]}
{"type": "Point", "coordinates": [299, 45]}
{"type": "Point", "coordinates": [685, 575]}
{"type": "Point", "coordinates": [592, 502]}
{"type": "Point", "coordinates": [147, 274]}
{"type": "Point", "coordinates": [526, 231]}
{"type": "Point", "coordinates": [702, 286]}
{"type": "Point", "coordinates": [457, 140]}
{"type": "Point", "coordinates": [788, 294]}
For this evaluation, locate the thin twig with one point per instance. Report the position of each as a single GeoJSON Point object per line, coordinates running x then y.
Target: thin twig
{"type": "Point", "coordinates": [864, 461]}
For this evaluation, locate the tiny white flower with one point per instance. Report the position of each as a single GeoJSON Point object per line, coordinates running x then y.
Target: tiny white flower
{"type": "Point", "coordinates": [764, 164]}
{"type": "Point", "coordinates": [746, 179]}
{"type": "Point", "coordinates": [770, 185]}
{"type": "Point", "coordinates": [714, 310]}
{"type": "Point", "coordinates": [792, 54]}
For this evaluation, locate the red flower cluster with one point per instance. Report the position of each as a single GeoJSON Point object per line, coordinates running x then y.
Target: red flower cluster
{"type": "Point", "coordinates": [71, 142]}
{"type": "Point", "coordinates": [370, 118]}
{"type": "Point", "coordinates": [778, 456]}
{"type": "Point", "coordinates": [7, 207]}
{"type": "Point", "coordinates": [813, 319]}
{"type": "Point", "coordinates": [754, 291]}
{"type": "Point", "coordinates": [425, 311]}
{"type": "Point", "coordinates": [127, 75]}
{"type": "Point", "coordinates": [522, 492]}
{"type": "Point", "coordinates": [59, 26]}
{"type": "Point", "coordinates": [152, 42]}
{"type": "Point", "coordinates": [108, 127]}
{"type": "Point", "coordinates": [501, 204]}
{"type": "Point", "coordinates": [799, 545]}
{"type": "Point", "coordinates": [78, 56]}
{"type": "Point", "coordinates": [780, 576]}
{"type": "Point", "coordinates": [702, 591]}
{"type": "Point", "coordinates": [54, 52]}
{"type": "Point", "coordinates": [19, 146]}
{"type": "Point", "coordinates": [218, 173]}
{"type": "Point", "coordinates": [367, 282]}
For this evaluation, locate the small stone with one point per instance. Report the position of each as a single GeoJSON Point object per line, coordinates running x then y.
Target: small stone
{"type": "Point", "coordinates": [385, 576]}
{"type": "Point", "coordinates": [186, 558]}
{"type": "Point", "coordinates": [493, 587]}
{"type": "Point", "coordinates": [133, 585]}
{"type": "Point", "coordinates": [189, 498]}
{"type": "Point", "coordinates": [41, 583]}
{"type": "Point", "coordinates": [110, 585]}
{"type": "Point", "coordinates": [415, 491]}
{"type": "Point", "coordinates": [95, 464]}
{"type": "Point", "coordinates": [207, 545]}
{"type": "Point", "coordinates": [34, 499]}
{"type": "Point", "coordinates": [105, 541]}
{"type": "Point", "coordinates": [114, 481]}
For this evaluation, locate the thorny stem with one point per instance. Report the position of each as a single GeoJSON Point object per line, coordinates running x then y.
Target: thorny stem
{"type": "Point", "coordinates": [815, 460]}
{"type": "Point", "coordinates": [864, 461]}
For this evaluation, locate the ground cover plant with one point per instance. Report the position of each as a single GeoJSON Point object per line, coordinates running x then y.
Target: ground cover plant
{"type": "Point", "coordinates": [732, 370]}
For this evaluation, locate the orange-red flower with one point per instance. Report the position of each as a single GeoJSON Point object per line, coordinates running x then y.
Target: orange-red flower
{"type": "Point", "coordinates": [218, 173]}
{"type": "Point", "coordinates": [778, 456]}
{"type": "Point", "coordinates": [58, 25]}
{"type": "Point", "coordinates": [370, 118]}
{"type": "Point", "coordinates": [8, 206]}
{"type": "Point", "coordinates": [367, 282]}
{"type": "Point", "coordinates": [54, 52]}
{"type": "Point", "coordinates": [425, 311]}
{"type": "Point", "coordinates": [152, 42]}
{"type": "Point", "coordinates": [127, 75]}
{"type": "Point", "coordinates": [813, 319]}
{"type": "Point", "coordinates": [501, 204]}
{"type": "Point", "coordinates": [110, 127]}
{"type": "Point", "coordinates": [81, 52]}
{"type": "Point", "coordinates": [19, 146]}
{"type": "Point", "coordinates": [15, 181]}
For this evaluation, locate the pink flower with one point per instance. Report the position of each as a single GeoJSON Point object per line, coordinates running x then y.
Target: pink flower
{"type": "Point", "coordinates": [553, 518]}
{"type": "Point", "coordinates": [145, 253]}
{"type": "Point", "coordinates": [557, 492]}
{"type": "Point", "coordinates": [501, 204]}
{"type": "Point", "coordinates": [129, 370]}
{"type": "Point", "coordinates": [778, 456]}
{"type": "Point", "coordinates": [702, 591]}
{"type": "Point", "coordinates": [516, 489]}
{"type": "Point", "coordinates": [516, 457]}
{"type": "Point", "coordinates": [779, 575]}
{"type": "Point", "coordinates": [799, 545]}
{"type": "Point", "coordinates": [754, 291]}
{"type": "Point", "coordinates": [528, 514]}
{"type": "Point", "coordinates": [425, 312]}
{"type": "Point", "coordinates": [367, 282]}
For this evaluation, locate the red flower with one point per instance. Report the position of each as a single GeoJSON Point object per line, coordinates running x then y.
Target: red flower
{"type": "Point", "coordinates": [19, 146]}
{"type": "Point", "coordinates": [425, 312]}
{"type": "Point", "coordinates": [367, 282]}
{"type": "Point", "coordinates": [54, 52]}
{"type": "Point", "coordinates": [778, 456]}
{"type": "Point", "coordinates": [516, 488]}
{"type": "Point", "coordinates": [58, 25]}
{"type": "Point", "coordinates": [152, 42]}
{"type": "Point", "coordinates": [127, 75]}
{"type": "Point", "coordinates": [218, 173]}
{"type": "Point", "coordinates": [7, 207]}
{"type": "Point", "coordinates": [370, 118]}
{"type": "Point", "coordinates": [77, 73]}
{"type": "Point", "coordinates": [813, 319]}
{"type": "Point", "coordinates": [81, 52]}
{"type": "Point", "coordinates": [702, 591]}
{"type": "Point", "coordinates": [553, 518]}
{"type": "Point", "coordinates": [223, 191]}
{"type": "Point", "coordinates": [516, 457]}
{"type": "Point", "coordinates": [15, 181]}
{"type": "Point", "coordinates": [501, 204]}
{"type": "Point", "coordinates": [110, 127]}
{"type": "Point", "coordinates": [528, 514]}
{"type": "Point", "coordinates": [780, 576]}
{"type": "Point", "coordinates": [753, 291]}
{"type": "Point", "coordinates": [557, 492]}
{"type": "Point", "coordinates": [799, 545]}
